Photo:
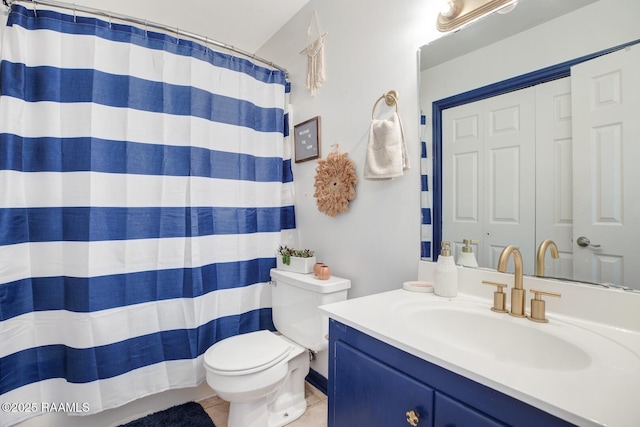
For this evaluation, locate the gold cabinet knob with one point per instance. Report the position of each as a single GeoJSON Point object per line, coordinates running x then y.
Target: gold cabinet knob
{"type": "Point", "coordinates": [538, 305]}
{"type": "Point", "coordinates": [413, 418]}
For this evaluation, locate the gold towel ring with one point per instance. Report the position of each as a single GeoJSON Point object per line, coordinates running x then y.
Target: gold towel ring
{"type": "Point", "coordinates": [390, 98]}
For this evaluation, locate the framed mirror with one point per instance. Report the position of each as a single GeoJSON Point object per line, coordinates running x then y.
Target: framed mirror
{"type": "Point", "coordinates": [504, 54]}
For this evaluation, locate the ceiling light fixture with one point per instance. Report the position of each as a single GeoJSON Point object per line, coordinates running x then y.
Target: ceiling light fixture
{"type": "Point", "coordinates": [457, 13]}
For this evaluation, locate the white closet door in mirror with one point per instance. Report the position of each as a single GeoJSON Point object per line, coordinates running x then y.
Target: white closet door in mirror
{"type": "Point", "coordinates": [606, 111]}
{"type": "Point", "coordinates": [489, 175]}
{"type": "Point", "coordinates": [554, 174]}
{"type": "Point", "coordinates": [462, 180]}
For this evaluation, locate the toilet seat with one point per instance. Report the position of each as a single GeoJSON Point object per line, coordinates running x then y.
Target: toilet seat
{"type": "Point", "coordinates": [246, 353]}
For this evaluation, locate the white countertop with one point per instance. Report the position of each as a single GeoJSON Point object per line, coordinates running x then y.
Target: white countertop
{"type": "Point", "coordinates": [599, 395]}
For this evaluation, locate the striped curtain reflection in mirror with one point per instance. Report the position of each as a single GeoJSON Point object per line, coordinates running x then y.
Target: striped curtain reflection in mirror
{"type": "Point", "coordinates": [145, 185]}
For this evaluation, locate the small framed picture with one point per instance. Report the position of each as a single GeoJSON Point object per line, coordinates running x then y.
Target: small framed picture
{"type": "Point", "coordinates": [306, 138]}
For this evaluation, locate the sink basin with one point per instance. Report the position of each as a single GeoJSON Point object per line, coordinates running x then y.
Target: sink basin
{"type": "Point", "coordinates": [500, 338]}
{"type": "Point", "coordinates": [475, 330]}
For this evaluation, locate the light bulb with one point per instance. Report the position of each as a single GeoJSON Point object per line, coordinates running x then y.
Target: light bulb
{"type": "Point", "coordinates": [508, 8]}
{"type": "Point", "coordinates": [449, 8]}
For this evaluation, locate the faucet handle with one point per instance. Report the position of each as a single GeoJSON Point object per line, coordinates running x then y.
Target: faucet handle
{"type": "Point", "coordinates": [538, 305]}
{"type": "Point", "coordinates": [499, 297]}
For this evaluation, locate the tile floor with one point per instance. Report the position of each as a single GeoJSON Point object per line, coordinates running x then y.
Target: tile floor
{"type": "Point", "coordinates": [315, 415]}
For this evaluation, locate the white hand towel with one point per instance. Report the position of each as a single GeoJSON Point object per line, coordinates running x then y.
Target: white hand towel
{"type": "Point", "coordinates": [387, 150]}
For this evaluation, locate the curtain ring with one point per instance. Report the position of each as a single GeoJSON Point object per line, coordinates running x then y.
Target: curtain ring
{"type": "Point", "coordinates": [35, 8]}
{"type": "Point", "coordinates": [74, 14]}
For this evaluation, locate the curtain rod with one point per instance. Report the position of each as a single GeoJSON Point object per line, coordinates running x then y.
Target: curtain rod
{"type": "Point", "coordinates": [178, 32]}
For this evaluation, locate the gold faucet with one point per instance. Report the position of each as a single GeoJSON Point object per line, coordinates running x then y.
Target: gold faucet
{"type": "Point", "coordinates": [518, 292]}
{"type": "Point", "coordinates": [542, 249]}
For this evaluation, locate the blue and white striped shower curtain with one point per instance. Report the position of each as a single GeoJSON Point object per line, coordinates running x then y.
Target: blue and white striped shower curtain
{"type": "Point", "coordinates": [145, 185]}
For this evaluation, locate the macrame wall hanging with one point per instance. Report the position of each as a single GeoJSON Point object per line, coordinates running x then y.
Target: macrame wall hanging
{"type": "Point", "coordinates": [335, 183]}
{"type": "Point", "coordinates": [315, 57]}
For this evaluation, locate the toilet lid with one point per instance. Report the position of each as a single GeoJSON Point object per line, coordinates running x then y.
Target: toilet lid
{"type": "Point", "coordinates": [246, 353]}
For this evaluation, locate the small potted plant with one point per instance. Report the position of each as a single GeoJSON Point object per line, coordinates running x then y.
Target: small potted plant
{"type": "Point", "coordinates": [296, 260]}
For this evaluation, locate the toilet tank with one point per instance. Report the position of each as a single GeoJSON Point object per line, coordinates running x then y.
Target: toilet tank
{"type": "Point", "coordinates": [295, 298]}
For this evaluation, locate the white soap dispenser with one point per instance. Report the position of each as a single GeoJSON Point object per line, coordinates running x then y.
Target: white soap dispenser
{"type": "Point", "coordinates": [467, 258]}
{"type": "Point", "coordinates": [446, 275]}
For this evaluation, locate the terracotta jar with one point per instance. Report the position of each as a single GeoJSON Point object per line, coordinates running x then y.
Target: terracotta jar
{"type": "Point", "coordinates": [316, 268]}
{"type": "Point", "coordinates": [324, 272]}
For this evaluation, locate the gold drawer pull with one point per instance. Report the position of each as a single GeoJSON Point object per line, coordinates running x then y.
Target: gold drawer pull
{"type": "Point", "coordinates": [413, 418]}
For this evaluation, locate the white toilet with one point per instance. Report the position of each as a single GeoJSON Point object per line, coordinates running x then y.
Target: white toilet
{"type": "Point", "coordinates": [262, 373]}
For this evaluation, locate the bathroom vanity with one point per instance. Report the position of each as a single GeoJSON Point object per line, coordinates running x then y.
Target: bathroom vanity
{"type": "Point", "coordinates": [376, 384]}
{"type": "Point", "coordinates": [405, 358]}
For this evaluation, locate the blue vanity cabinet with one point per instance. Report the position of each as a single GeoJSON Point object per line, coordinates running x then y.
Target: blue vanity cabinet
{"type": "Point", "coordinates": [368, 392]}
{"type": "Point", "coordinates": [375, 384]}
{"type": "Point", "coordinates": [452, 413]}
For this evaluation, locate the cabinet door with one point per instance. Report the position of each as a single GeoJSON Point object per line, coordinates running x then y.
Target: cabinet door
{"type": "Point", "coordinates": [370, 393]}
{"type": "Point", "coordinates": [451, 413]}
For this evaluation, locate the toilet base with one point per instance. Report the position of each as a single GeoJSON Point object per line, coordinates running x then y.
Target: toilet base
{"type": "Point", "coordinates": [284, 417]}
{"type": "Point", "coordinates": [258, 414]}
{"type": "Point", "coordinates": [281, 405]}
{"type": "Point", "coordinates": [249, 414]}
{"type": "Point", "coordinates": [288, 402]}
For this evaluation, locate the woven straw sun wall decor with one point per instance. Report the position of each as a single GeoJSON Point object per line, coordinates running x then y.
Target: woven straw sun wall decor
{"type": "Point", "coordinates": [335, 183]}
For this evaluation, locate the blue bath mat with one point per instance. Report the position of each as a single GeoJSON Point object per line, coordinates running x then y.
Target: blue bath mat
{"type": "Point", "coordinates": [189, 414]}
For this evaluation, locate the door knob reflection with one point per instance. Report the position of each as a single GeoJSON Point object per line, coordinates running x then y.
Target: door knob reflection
{"type": "Point", "coordinates": [583, 242]}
